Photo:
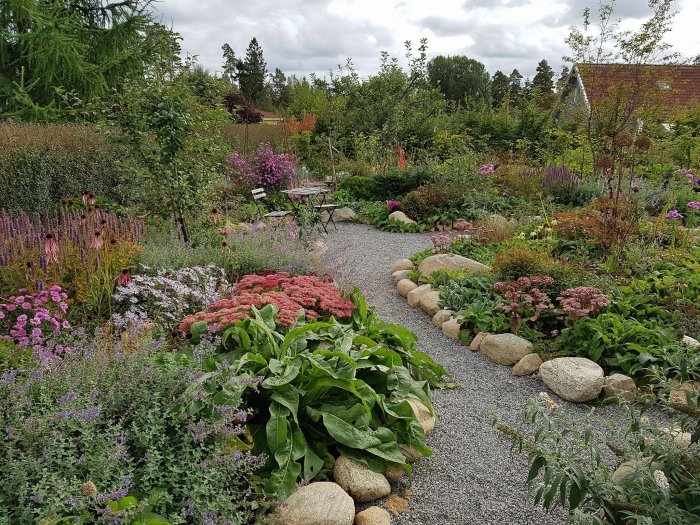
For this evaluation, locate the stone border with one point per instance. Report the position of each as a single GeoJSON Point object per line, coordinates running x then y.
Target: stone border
{"type": "Point", "coordinates": [575, 379]}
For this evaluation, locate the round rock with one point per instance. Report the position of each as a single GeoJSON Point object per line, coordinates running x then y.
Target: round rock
{"type": "Point", "coordinates": [321, 503]}
{"type": "Point", "coordinates": [527, 365]}
{"type": "Point", "coordinates": [405, 286]}
{"type": "Point", "coordinates": [476, 342]}
{"type": "Point", "coordinates": [401, 217]}
{"type": "Point", "coordinates": [400, 275]}
{"type": "Point", "coordinates": [360, 482]}
{"type": "Point", "coordinates": [429, 302]}
{"type": "Point", "coordinates": [621, 387]}
{"type": "Point", "coordinates": [451, 328]}
{"type": "Point", "coordinates": [505, 349]}
{"type": "Point", "coordinates": [441, 316]}
{"type": "Point", "coordinates": [402, 264]}
{"type": "Point", "coordinates": [373, 516]}
{"type": "Point", "coordinates": [415, 295]}
{"type": "Point", "coordinates": [575, 379]}
{"type": "Point", "coordinates": [451, 261]}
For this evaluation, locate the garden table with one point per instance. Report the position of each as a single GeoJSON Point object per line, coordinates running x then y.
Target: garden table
{"type": "Point", "coordinates": [307, 196]}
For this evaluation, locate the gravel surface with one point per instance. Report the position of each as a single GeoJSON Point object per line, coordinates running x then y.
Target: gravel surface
{"type": "Point", "coordinates": [472, 477]}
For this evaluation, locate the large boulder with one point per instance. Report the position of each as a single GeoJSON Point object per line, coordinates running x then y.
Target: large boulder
{"type": "Point", "coordinates": [401, 217]}
{"type": "Point", "coordinates": [505, 349]}
{"type": "Point", "coordinates": [429, 302]}
{"type": "Point", "coordinates": [414, 296]}
{"type": "Point", "coordinates": [451, 261]}
{"type": "Point", "coordinates": [344, 215]}
{"type": "Point", "coordinates": [451, 328]}
{"type": "Point", "coordinates": [621, 387]}
{"type": "Point", "coordinates": [575, 379]}
{"type": "Point", "coordinates": [373, 516]}
{"type": "Point", "coordinates": [402, 264]}
{"type": "Point", "coordinates": [527, 365]}
{"type": "Point", "coordinates": [360, 482]}
{"type": "Point", "coordinates": [404, 286]}
{"type": "Point", "coordinates": [321, 503]}
{"type": "Point", "coordinates": [400, 275]}
{"type": "Point", "coordinates": [441, 316]}
{"type": "Point", "coordinates": [423, 414]}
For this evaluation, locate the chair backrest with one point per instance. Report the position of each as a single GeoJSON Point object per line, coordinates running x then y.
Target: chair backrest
{"type": "Point", "coordinates": [259, 193]}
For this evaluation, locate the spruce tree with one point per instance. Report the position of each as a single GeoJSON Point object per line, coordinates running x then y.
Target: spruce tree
{"type": "Point", "coordinates": [500, 87]}
{"type": "Point", "coordinates": [544, 78]}
{"type": "Point", "coordinates": [514, 85]}
{"type": "Point", "coordinates": [252, 73]}
{"type": "Point", "coordinates": [230, 63]}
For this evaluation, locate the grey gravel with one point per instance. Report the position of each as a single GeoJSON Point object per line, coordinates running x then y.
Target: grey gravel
{"type": "Point", "coordinates": [472, 476]}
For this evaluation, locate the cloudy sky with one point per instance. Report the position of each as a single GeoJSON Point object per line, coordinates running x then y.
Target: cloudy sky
{"type": "Point", "coordinates": [304, 36]}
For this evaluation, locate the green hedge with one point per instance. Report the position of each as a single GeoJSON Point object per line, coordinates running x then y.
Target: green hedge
{"type": "Point", "coordinates": [41, 164]}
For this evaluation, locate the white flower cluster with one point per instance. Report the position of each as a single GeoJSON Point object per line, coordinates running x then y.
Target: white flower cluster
{"type": "Point", "coordinates": [168, 296]}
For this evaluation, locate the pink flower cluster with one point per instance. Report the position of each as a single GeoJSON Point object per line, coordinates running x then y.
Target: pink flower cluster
{"type": "Point", "coordinates": [28, 318]}
{"type": "Point", "coordinates": [442, 242]}
{"type": "Point", "coordinates": [393, 205]}
{"type": "Point", "coordinates": [304, 295]}
{"type": "Point", "coordinates": [525, 299]}
{"type": "Point", "coordinates": [674, 214]}
{"type": "Point", "coordinates": [487, 169]}
{"type": "Point", "coordinates": [695, 205]}
{"type": "Point", "coordinates": [582, 301]}
{"type": "Point", "coordinates": [688, 172]}
{"type": "Point", "coordinates": [268, 169]}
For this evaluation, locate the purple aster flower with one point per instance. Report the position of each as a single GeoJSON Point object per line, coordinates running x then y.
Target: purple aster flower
{"type": "Point", "coordinates": [674, 214]}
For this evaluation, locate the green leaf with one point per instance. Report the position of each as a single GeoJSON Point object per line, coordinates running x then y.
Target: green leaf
{"type": "Point", "coordinates": [277, 427]}
{"type": "Point", "coordinates": [535, 468]}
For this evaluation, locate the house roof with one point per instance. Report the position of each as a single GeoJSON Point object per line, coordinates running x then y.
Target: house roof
{"type": "Point", "coordinates": [670, 86]}
{"type": "Point", "coordinates": [269, 115]}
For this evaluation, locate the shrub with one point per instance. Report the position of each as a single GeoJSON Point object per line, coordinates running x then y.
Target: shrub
{"type": "Point", "coordinates": [398, 183]}
{"type": "Point", "coordinates": [270, 170]}
{"type": "Point", "coordinates": [460, 292]}
{"type": "Point", "coordinates": [525, 299]}
{"type": "Point", "coordinates": [515, 261]}
{"type": "Point", "coordinates": [361, 188]}
{"type": "Point", "coordinates": [432, 198]}
{"type": "Point", "coordinates": [462, 170]}
{"type": "Point", "coordinates": [98, 437]}
{"type": "Point", "coordinates": [168, 296]}
{"type": "Point", "coordinates": [162, 249]}
{"type": "Point", "coordinates": [295, 297]}
{"type": "Point", "coordinates": [42, 164]}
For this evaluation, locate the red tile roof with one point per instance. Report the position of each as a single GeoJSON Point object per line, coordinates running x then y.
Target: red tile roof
{"type": "Point", "coordinates": [670, 86]}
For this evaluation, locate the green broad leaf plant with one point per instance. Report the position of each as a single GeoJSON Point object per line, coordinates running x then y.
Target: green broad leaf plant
{"type": "Point", "coordinates": [320, 390]}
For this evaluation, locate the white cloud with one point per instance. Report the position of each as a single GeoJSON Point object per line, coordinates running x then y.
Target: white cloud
{"type": "Point", "coordinates": [304, 36]}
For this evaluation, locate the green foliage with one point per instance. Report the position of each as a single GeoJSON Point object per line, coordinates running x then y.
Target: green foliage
{"type": "Point", "coordinates": [483, 315]}
{"type": "Point", "coordinates": [459, 293]}
{"type": "Point", "coordinates": [618, 342]}
{"type": "Point", "coordinates": [40, 165]}
{"type": "Point", "coordinates": [324, 393]}
{"type": "Point", "coordinates": [173, 135]}
{"type": "Point", "coordinates": [397, 183]}
{"type": "Point", "coordinates": [97, 434]}
{"type": "Point", "coordinates": [162, 249]}
{"type": "Point", "coordinates": [570, 466]}
{"type": "Point", "coordinates": [431, 199]}
{"type": "Point", "coordinates": [460, 79]}
{"type": "Point", "coordinates": [462, 170]}
{"type": "Point", "coordinates": [514, 261]}
{"type": "Point", "coordinates": [52, 53]}
{"type": "Point", "coordinates": [361, 188]}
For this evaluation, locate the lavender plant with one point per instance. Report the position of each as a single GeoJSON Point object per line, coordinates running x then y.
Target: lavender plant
{"type": "Point", "coordinates": [97, 438]}
{"type": "Point", "coordinates": [168, 296]}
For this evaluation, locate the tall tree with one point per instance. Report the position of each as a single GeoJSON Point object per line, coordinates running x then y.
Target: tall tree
{"type": "Point", "coordinates": [500, 87]}
{"type": "Point", "coordinates": [544, 78]}
{"type": "Point", "coordinates": [460, 79]}
{"type": "Point", "coordinates": [252, 72]}
{"type": "Point", "coordinates": [230, 63]}
{"type": "Point", "coordinates": [515, 87]}
{"type": "Point", "coordinates": [85, 47]}
{"type": "Point", "coordinates": [281, 93]}
{"type": "Point", "coordinates": [563, 78]}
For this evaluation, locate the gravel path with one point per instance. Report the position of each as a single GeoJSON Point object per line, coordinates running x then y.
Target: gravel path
{"type": "Point", "coordinates": [472, 477]}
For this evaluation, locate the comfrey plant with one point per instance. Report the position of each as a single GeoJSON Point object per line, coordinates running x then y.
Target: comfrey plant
{"type": "Point", "coordinates": [168, 296]}
{"type": "Point", "coordinates": [83, 439]}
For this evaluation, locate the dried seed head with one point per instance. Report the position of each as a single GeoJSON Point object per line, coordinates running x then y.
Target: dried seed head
{"type": "Point", "coordinates": [605, 162]}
